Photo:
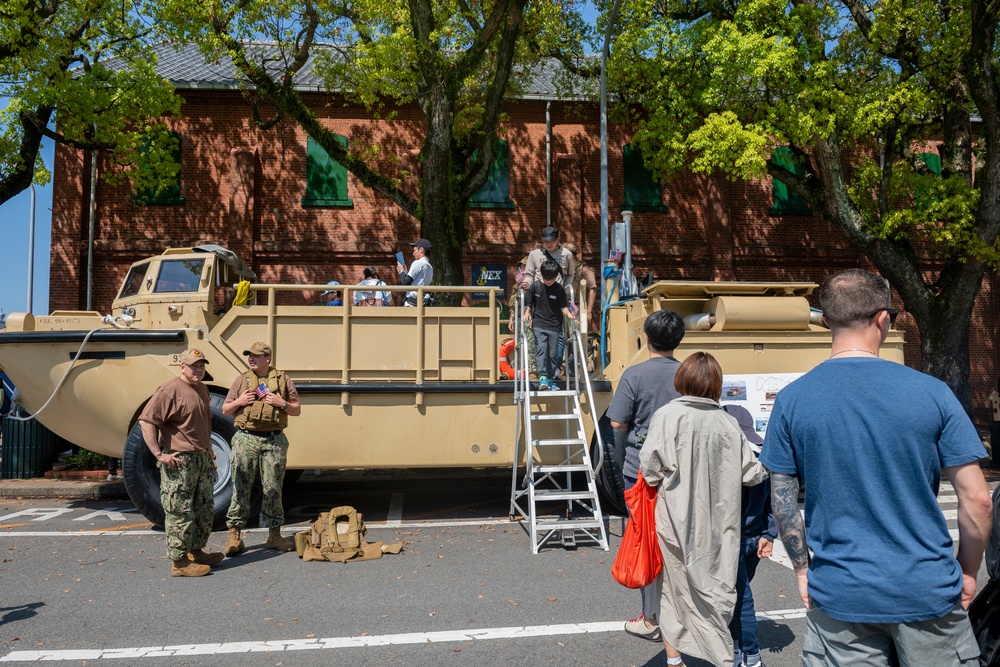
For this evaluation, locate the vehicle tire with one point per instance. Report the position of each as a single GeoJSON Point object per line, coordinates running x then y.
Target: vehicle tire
{"type": "Point", "coordinates": [609, 479]}
{"type": "Point", "coordinates": [142, 476]}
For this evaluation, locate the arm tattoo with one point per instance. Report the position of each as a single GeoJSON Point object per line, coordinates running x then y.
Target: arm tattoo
{"type": "Point", "coordinates": [791, 527]}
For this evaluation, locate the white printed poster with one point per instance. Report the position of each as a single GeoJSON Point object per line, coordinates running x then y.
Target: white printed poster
{"type": "Point", "coordinates": [756, 393]}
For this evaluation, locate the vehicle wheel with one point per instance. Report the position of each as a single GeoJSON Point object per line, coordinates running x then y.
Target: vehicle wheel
{"type": "Point", "coordinates": [609, 478]}
{"type": "Point", "coordinates": [142, 476]}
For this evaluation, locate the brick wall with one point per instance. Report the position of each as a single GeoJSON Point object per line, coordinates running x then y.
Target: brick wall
{"type": "Point", "coordinates": [242, 189]}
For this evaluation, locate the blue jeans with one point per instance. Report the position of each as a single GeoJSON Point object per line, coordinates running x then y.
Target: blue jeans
{"type": "Point", "coordinates": [743, 627]}
{"type": "Point", "coordinates": [546, 352]}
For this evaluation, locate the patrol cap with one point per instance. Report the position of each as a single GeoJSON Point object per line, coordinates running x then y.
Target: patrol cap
{"type": "Point", "coordinates": [422, 243]}
{"type": "Point", "coordinates": [332, 283]}
{"type": "Point", "coordinates": [258, 348]}
{"type": "Point", "coordinates": [745, 420]}
{"type": "Point", "coordinates": [572, 247]}
{"type": "Point", "coordinates": [550, 234]}
{"type": "Point", "coordinates": [189, 357]}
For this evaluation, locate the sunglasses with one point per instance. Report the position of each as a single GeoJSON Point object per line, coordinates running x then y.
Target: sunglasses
{"type": "Point", "coordinates": [892, 314]}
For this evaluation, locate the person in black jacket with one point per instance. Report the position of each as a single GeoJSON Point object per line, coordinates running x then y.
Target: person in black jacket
{"type": "Point", "coordinates": [757, 539]}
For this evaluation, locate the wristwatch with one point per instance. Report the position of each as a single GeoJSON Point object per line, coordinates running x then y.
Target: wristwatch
{"type": "Point", "coordinates": [283, 407]}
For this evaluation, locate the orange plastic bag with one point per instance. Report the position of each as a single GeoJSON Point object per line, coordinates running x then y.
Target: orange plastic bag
{"type": "Point", "coordinates": [639, 559]}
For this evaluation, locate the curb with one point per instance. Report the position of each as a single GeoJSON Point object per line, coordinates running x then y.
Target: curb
{"type": "Point", "coordinates": [83, 489]}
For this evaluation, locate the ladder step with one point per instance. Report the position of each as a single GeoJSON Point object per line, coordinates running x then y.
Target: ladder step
{"type": "Point", "coordinates": [559, 494]}
{"type": "Point", "coordinates": [549, 524]}
{"type": "Point", "coordinates": [553, 392]}
{"type": "Point", "coordinates": [568, 467]}
{"type": "Point", "coordinates": [558, 441]}
{"type": "Point", "coordinates": [552, 416]}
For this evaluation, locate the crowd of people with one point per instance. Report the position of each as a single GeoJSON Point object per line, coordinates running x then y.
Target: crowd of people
{"type": "Point", "coordinates": [872, 553]}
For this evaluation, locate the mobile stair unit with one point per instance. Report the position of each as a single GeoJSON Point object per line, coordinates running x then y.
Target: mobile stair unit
{"type": "Point", "coordinates": [558, 474]}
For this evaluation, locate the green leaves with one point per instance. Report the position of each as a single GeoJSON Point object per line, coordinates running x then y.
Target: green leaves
{"type": "Point", "coordinates": [88, 61]}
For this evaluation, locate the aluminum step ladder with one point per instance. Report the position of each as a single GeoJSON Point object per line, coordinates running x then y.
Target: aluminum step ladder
{"type": "Point", "coordinates": [558, 473]}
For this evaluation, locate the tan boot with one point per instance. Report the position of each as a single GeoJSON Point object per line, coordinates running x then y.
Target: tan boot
{"type": "Point", "coordinates": [277, 542]}
{"type": "Point", "coordinates": [235, 545]}
{"type": "Point", "coordinates": [203, 558]}
{"type": "Point", "coordinates": [185, 568]}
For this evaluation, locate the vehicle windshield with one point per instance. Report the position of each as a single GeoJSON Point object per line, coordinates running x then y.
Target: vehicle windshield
{"type": "Point", "coordinates": [179, 275]}
{"type": "Point", "coordinates": [133, 282]}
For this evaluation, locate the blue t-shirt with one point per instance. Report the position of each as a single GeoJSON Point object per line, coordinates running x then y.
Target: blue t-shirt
{"type": "Point", "coordinates": [869, 438]}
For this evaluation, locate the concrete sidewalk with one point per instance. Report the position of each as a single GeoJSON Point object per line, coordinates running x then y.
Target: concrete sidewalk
{"type": "Point", "coordinates": [81, 489]}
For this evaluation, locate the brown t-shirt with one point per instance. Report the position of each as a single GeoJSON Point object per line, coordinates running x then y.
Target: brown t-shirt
{"type": "Point", "coordinates": [276, 422]}
{"type": "Point", "coordinates": [183, 415]}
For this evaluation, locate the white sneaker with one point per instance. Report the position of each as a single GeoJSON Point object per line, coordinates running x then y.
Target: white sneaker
{"type": "Point", "coordinates": [638, 628]}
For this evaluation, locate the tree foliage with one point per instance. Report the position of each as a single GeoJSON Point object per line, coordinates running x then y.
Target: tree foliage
{"type": "Point", "coordinates": [78, 72]}
{"type": "Point", "coordinates": [716, 86]}
{"type": "Point", "coordinates": [457, 61]}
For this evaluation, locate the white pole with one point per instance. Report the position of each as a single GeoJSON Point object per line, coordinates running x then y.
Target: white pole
{"type": "Point", "coordinates": [31, 248]}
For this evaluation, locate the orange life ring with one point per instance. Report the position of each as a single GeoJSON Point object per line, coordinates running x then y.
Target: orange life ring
{"type": "Point", "coordinates": [505, 349]}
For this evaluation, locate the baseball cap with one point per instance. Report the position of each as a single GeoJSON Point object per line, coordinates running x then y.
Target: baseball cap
{"type": "Point", "coordinates": [745, 420]}
{"type": "Point", "coordinates": [422, 243]}
{"type": "Point", "coordinates": [550, 234]}
{"type": "Point", "coordinates": [329, 291]}
{"type": "Point", "coordinates": [189, 357]}
{"type": "Point", "coordinates": [258, 348]}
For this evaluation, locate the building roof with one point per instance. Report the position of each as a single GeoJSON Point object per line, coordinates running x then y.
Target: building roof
{"type": "Point", "coordinates": [187, 68]}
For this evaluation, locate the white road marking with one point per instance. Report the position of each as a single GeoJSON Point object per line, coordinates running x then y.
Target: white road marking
{"type": "Point", "coordinates": [110, 514]}
{"type": "Point", "coordinates": [395, 515]}
{"type": "Point", "coordinates": [40, 513]}
{"type": "Point", "coordinates": [280, 645]}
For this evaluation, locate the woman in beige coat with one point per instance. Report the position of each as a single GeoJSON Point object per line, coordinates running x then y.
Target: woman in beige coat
{"type": "Point", "coordinates": [698, 458]}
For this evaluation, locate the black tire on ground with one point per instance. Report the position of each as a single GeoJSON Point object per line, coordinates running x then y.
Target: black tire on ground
{"type": "Point", "coordinates": [609, 478]}
{"type": "Point", "coordinates": [142, 476]}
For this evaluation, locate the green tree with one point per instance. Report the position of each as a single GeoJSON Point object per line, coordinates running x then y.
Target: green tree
{"type": "Point", "coordinates": [456, 60]}
{"type": "Point", "coordinates": [55, 55]}
{"type": "Point", "coordinates": [717, 86]}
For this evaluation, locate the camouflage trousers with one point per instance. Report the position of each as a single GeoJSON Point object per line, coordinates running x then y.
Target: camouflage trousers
{"type": "Point", "coordinates": [186, 496]}
{"type": "Point", "coordinates": [257, 455]}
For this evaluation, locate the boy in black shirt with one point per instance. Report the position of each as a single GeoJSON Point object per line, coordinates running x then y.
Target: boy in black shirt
{"type": "Point", "coordinates": [545, 304]}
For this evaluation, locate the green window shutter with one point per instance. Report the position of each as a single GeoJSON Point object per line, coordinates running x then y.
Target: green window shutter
{"type": "Point", "coordinates": [933, 162]}
{"type": "Point", "coordinates": [642, 189]}
{"type": "Point", "coordinates": [787, 202]}
{"type": "Point", "coordinates": [171, 194]}
{"type": "Point", "coordinates": [326, 179]}
{"type": "Point", "coordinates": [495, 192]}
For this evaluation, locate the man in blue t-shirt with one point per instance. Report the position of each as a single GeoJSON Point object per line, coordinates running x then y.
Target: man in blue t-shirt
{"type": "Point", "coordinates": [869, 438]}
{"type": "Point", "coordinates": [643, 389]}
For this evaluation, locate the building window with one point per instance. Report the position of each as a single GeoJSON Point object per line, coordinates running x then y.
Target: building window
{"type": "Point", "coordinates": [933, 162]}
{"type": "Point", "coordinates": [326, 179]}
{"type": "Point", "coordinates": [787, 202]}
{"type": "Point", "coordinates": [642, 189]}
{"type": "Point", "coordinates": [495, 192]}
{"type": "Point", "coordinates": [171, 194]}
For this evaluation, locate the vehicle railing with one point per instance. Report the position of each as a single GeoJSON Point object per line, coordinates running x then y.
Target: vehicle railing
{"type": "Point", "coordinates": [420, 309]}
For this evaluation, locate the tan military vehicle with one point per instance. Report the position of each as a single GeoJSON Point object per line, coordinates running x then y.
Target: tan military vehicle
{"type": "Point", "coordinates": [380, 387]}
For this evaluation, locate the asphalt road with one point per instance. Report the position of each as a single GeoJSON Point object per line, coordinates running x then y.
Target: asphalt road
{"type": "Point", "coordinates": [83, 581]}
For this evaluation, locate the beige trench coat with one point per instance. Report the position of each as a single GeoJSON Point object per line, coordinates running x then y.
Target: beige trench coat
{"type": "Point", "coordinates": [699, 458]}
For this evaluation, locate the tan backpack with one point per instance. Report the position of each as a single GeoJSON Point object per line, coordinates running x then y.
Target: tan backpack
{"type": "Point", "coordinates": [338, 536]}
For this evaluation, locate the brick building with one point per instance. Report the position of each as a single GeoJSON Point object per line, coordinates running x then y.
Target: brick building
{"type": "Point", "coordinates": [256, 193]}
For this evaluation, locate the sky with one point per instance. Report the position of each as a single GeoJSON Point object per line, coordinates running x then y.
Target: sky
{"type": "Point", "coordinates": [15, 216]}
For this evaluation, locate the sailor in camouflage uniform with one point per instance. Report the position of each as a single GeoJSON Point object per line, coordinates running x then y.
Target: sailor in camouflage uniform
{"type": "Point", "coordinates": [262, 400]}
{"type": "Point", "coordinates": [177, 427]}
